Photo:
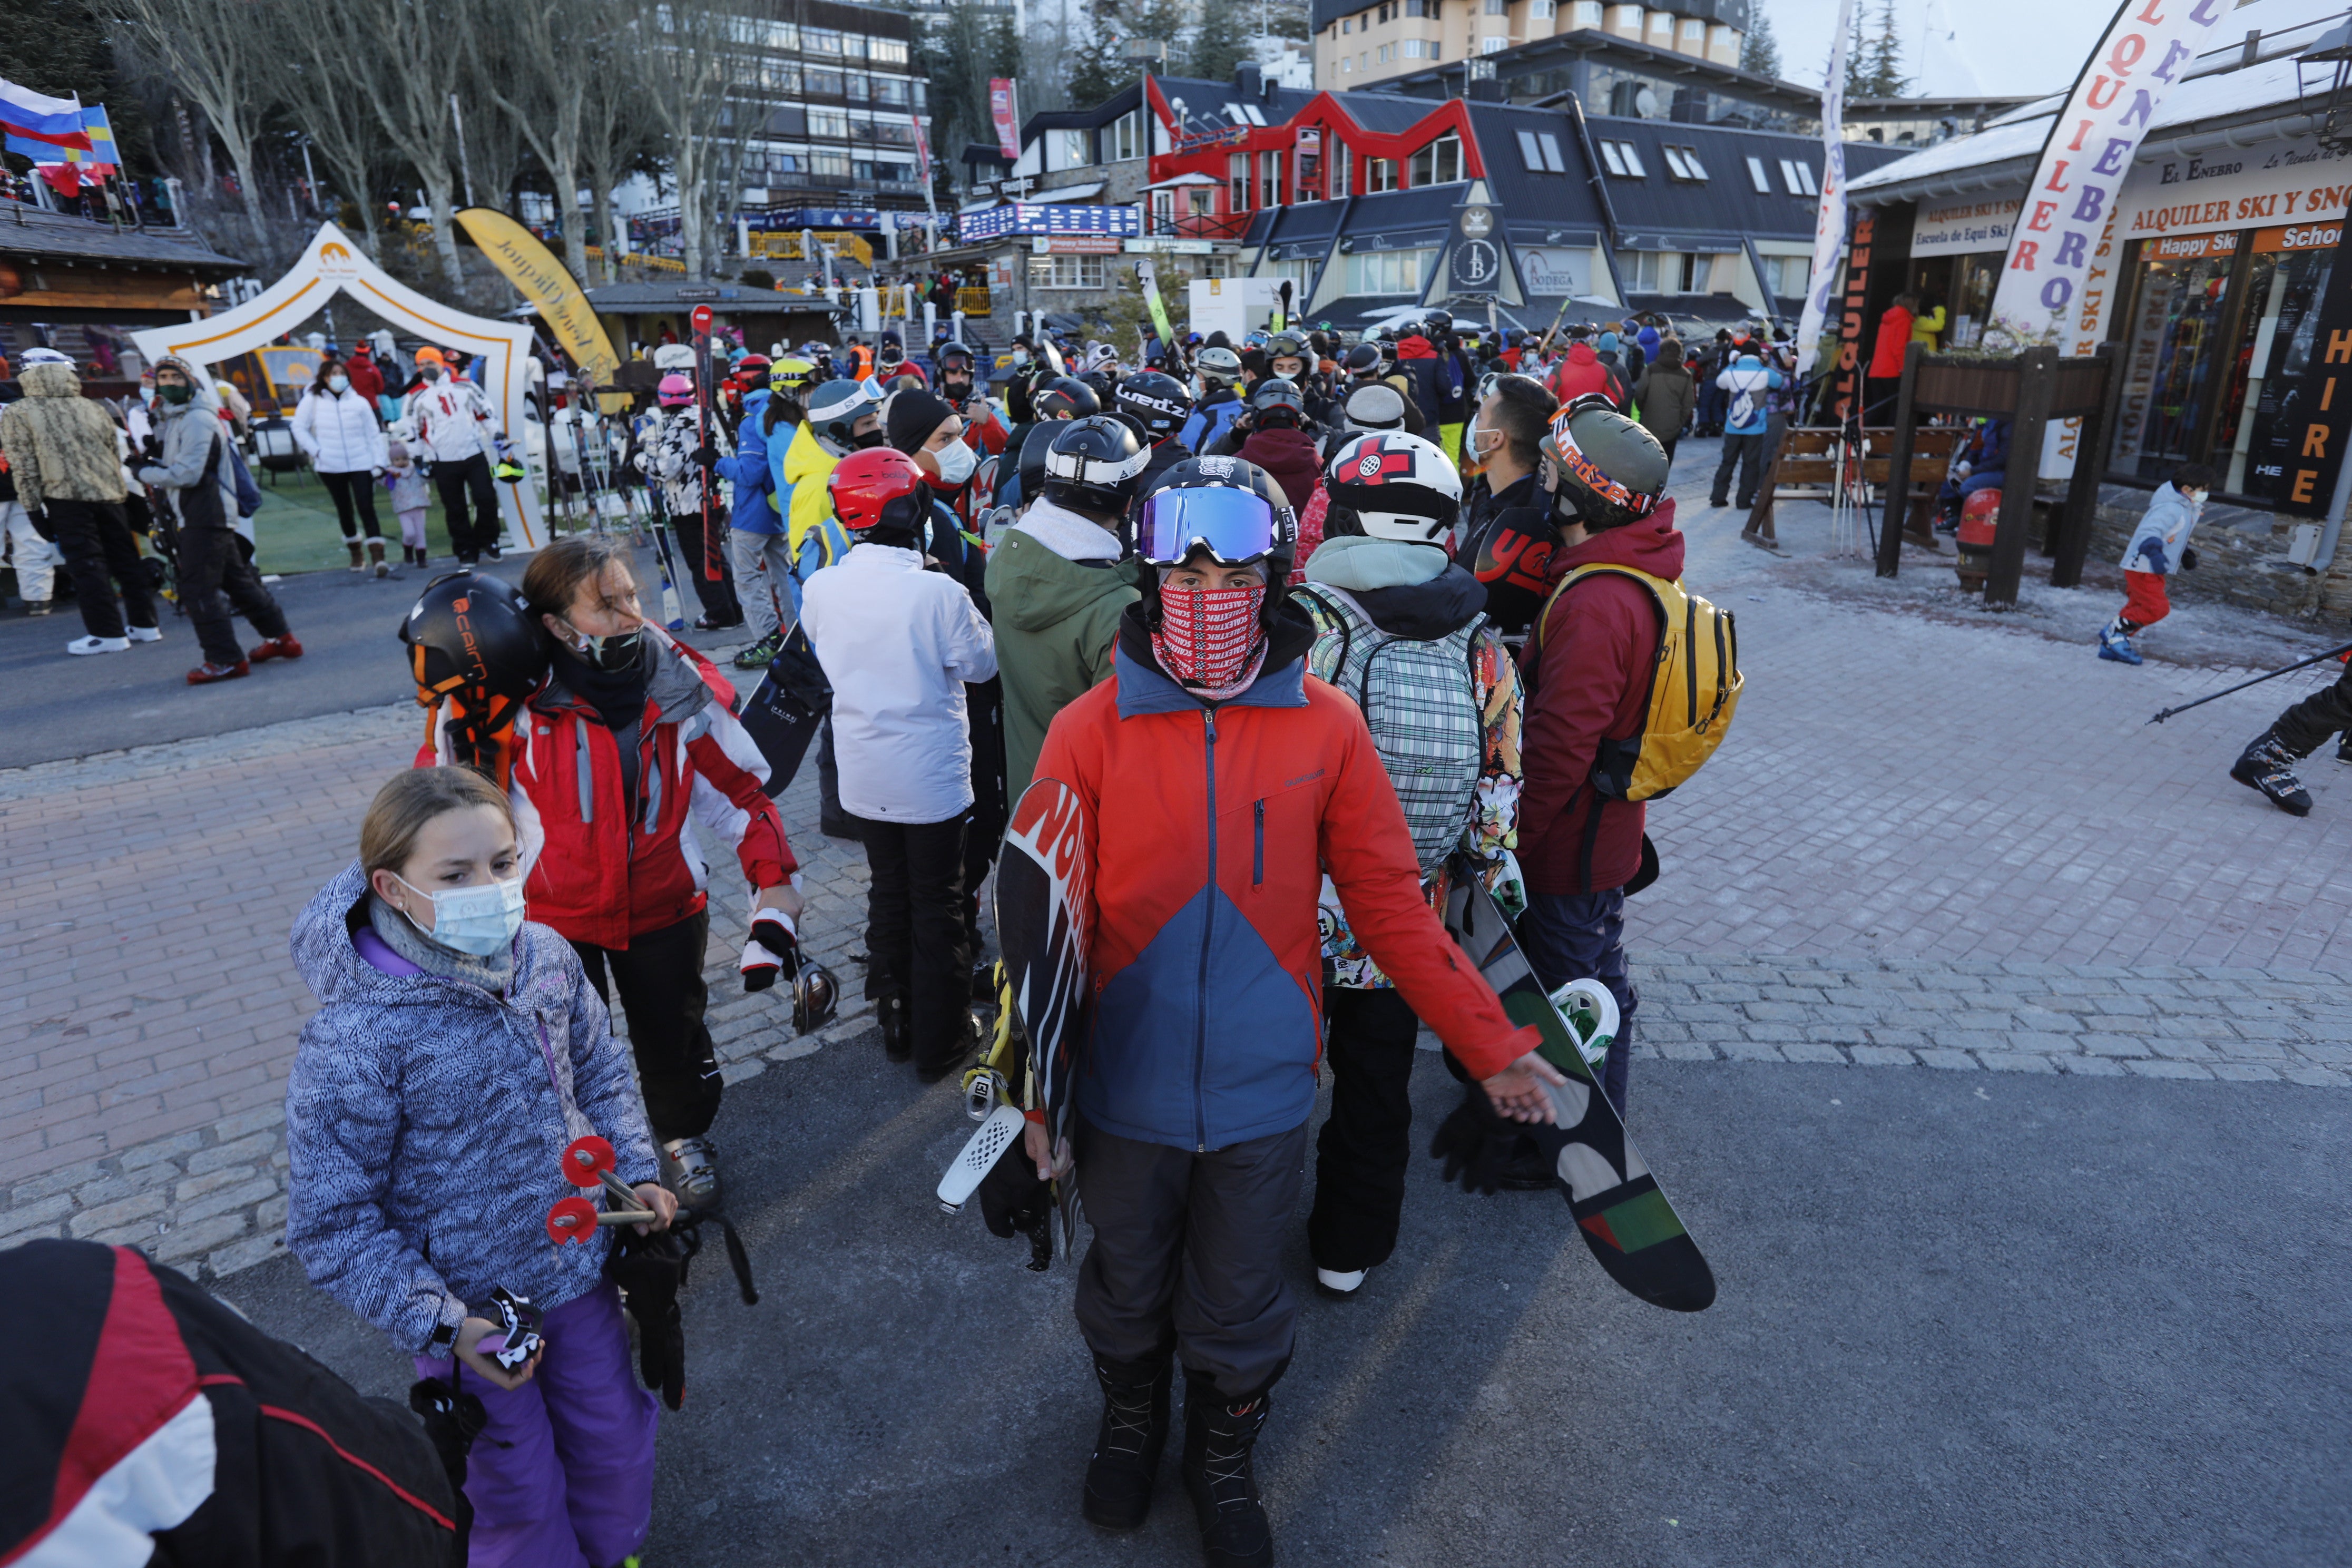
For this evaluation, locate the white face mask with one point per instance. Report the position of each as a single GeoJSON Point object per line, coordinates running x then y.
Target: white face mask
{"type": "Point", "coordinates": [337, 383]}
{"type": "Point", "coordinates": [956, 462]}
{"type": "Point", "coordinates": [479, 920]}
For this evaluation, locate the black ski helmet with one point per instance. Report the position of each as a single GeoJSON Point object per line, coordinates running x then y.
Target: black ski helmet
{"type": "Point", "coordinates": [469, 632]}
{"type": "Point", "coordinates": [1031, 466]}
{"type": "Point", "coordinates": [1234, 473]}
{"type": "Point", "coordinates": [1094, 465]}
{"type": "Point", "coordinates": [1065, 394]}
{"type": "Point", "coordinates": [1437, 324]}
{"type": "Point", "coordinates": [1276, 403]}
{"type": "Point", "coordinates": [1602, 469]}
{"type": "Point", "coordinates": [1156, 402]}
{"type": "Point", "coordinates": [1363, 362]}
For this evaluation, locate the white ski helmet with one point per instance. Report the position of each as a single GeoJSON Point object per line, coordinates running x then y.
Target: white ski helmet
{"type": "Point", "coordinates": [1398, 486]}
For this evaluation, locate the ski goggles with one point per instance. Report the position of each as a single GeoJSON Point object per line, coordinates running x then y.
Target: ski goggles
{"type": "Point", "coordinates": [1237, 526]}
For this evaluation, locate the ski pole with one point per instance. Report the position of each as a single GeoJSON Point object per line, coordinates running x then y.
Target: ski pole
{"type": "Point", "coordinates": [2257, 680]}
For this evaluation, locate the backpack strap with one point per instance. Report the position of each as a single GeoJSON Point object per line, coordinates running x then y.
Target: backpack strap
{"type": "Point", "coordinates": [1340, 616]}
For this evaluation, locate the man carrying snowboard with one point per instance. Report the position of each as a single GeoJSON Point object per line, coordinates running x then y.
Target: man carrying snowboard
{"type": "Point", "coordinates": [1401, 630]}
{"type": "Point", "coordinates": [1221, 782]}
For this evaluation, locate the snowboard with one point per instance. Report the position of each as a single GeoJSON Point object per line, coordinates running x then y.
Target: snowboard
{"type": "Point", "coordinates": [783, 712]}
{"type": "Point", "coordinates": [1044, 917]}
{"type": "Point", "coordinates": [1623, 1215]}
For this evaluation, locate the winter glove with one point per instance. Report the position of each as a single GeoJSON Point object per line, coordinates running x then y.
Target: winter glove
{"type": "Point", "coordinates": [650, 1270]}
{"type": "Point", "coordinates": [1474, 1142]}
{"type": "Point", "coordinates": [2188, 560]}
{"type": "Point", "coordinates": [1013, 1200]}
{"type": "Point", "coordinates": [2151, 549]}
{"type": "Point", "coordinates": [772, 948]}
{"type": "Point", "coordinates": [706, 454]}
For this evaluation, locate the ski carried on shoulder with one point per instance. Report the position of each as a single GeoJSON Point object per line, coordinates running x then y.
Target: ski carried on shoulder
{"type": "Point", "coordinates": [1620, 1209]}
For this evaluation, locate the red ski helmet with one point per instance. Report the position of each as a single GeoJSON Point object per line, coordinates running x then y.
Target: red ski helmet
{"type": "Point", "coordinates": [879, 487]}
{"type": "Point", "coordinates": [675, 390]}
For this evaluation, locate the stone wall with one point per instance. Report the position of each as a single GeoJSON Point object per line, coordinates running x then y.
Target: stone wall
{"type": "Point", "coordinates": [2240, 557]}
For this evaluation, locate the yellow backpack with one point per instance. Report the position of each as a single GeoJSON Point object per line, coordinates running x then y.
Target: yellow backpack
{"type": "Point", "coordinates": [1695, 688]}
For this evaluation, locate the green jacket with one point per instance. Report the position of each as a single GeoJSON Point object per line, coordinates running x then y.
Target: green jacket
{"type": "Point", "coordinates": [1056, 620]}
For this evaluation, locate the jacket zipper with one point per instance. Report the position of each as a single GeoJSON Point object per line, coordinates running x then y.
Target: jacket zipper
{"type": "Point", "coordinates": [1208, 933]}
{"type": "Point", "coordinates": [1690, 673]}
{"type": "Point", "coordinates": [1257, 854]}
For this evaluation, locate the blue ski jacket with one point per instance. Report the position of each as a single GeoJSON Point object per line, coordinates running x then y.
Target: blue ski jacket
{"type": "Point", "coordinates": [747, 471]}
{"type": "Point", "coordinates": [1209, 420]}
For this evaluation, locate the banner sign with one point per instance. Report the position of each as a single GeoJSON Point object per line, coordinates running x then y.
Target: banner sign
{"type": "Point", "coordinates": [1048, 217]}
{"type": "Point", "coordinates": [1829, 218]}
{"type": "Point", "coordinates": [922, 151]}
{"type": "Point", "coordinates": [1147, 278]}
{"type": "Point", "coordinates": [2229, 188]}
{"type": "Point", "coordinates": [1004, 112]}
{"type": "Point", "coordinates": [1964, 228]}
{"type": "Point", "coordinates": [2072, 196]}
{"type": "Point", "coordinates": [544, 280]}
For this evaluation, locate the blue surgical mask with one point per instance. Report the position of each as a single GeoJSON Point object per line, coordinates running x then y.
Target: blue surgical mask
{"type": "Point", "coordinates": [480, 920]}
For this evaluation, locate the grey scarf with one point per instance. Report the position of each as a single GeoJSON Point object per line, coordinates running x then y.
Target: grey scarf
{"type": "Point", "coordinates": [492, 974]}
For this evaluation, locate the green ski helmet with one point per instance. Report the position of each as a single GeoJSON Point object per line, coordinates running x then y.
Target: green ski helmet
{"type": "Point", "coordinates": [1602, 469]}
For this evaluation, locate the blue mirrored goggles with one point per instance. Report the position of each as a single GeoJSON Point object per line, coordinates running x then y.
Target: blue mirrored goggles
{"type": "Point", "coordinates": [1237, 526]}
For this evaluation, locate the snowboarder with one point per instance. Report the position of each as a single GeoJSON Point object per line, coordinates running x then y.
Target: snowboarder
{"type": "Point", "coordinates": [1220, 781]}
{"type": "Point", "coordinates": [1401, 630]}
{"type": "Point", "coordinates": [2159, 546]}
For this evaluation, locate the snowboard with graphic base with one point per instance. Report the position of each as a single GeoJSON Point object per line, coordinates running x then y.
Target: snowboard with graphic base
{"type": "Point", "coordinates": [784, 712]}
{"type": "Point", "coordinates": [1624, 1217]}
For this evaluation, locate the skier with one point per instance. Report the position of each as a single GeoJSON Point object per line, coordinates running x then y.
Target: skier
{"type": "Point", "coordinates": [755, 529]}
{"type": "Point", "coordinates": [898, 645]}
{"type": "Point", "coordinates": [1218, 404]}
{"type": "Point", "coordinates": [1589, 662]}
{"type": "Point", "coordinates": [1220, 782]}
{"type": "Point", "coordinates": [1664, 394]}
{"type": "Point", "coordinates": [966, 390]}
{"type": "Point", "coordinates": [1581, 372]}
{"type": "Point", "coordinates": [68, 472]}
{"type": "Point", "coordinates": [196, 472]}
{"type": "Point", "coordinates": [1747, 385]}
{"type": "Point", "coordinates": [1056, 401]}
{"type": "Point", "coordinates": [1401, 630]}
{"type": "Point", "coordinates": [674, 457]}
{"type": "Point", "coordinates": [458, 433]}
{"type": "Point", "coordinates": [1056, 585]}
{"type": "Point", "coordinates": [2159, 547]}
{"type": "Point", "coordinates": [1156, 406]}
{"type": "Point", "coordinates": [457, 1050]}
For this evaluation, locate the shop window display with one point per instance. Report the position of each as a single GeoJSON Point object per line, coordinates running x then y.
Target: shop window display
{"type": "Point", "coordinates": [2282, 295]}
{"type": "Point", "coordinates": [2173, 346]}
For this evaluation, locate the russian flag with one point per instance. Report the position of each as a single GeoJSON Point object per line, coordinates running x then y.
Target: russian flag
{"type": "Point", "coordinates": [36, 117]}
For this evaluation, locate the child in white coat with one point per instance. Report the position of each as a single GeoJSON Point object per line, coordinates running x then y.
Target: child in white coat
{"type": "Point", "coordinates": [2159, 547]}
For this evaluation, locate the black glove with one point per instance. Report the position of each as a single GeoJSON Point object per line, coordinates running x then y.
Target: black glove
{"type": "Point", "coordinates": [1474, 1142]}
{"type": "Point", "coordinates": [706, 454]}
{"type": "Point", "coordinates": [649, 1269]}
{"type": "Point", "coordinates": [1013, 1201]}
{"type": "Point", "coordinates": [41, 523]}
{"type": "Point", "coordinates": [2188, 560]}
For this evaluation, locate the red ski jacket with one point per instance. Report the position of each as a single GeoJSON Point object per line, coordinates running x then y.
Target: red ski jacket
{"type": "Point", "coordinates": [1582, 372]}
{"type": "Point", "coordinates": [1213, 828]}
{"type": "Point", "coordinates": [1590, 680]}
{"type": "Point", "coordinates": [604, 872]}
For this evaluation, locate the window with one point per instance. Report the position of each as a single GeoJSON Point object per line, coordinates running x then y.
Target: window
{"type": "Point", "coordinates": [831, 122]}
{"type": "Point", "coordinates": [1388, 53]}
{"type": "Point", "coordinates": [1346, 170]}
{"type": "Point", "coordinates": [1066, 272]}
{"type": "Point", "coordinates": [1438, 164]}
{"type": "Point", "coordinates": [1269, 179]}
{"type": "Point", "coordinates": [1755, 172]}
{"type": "Point", "coordinates": [1553, 162]}
{"type": "Point", "coordinates": [1380, 175]}
{"type": "Point", "coordinates": [1073, 149]}
{"type": "Point", "coordinates": [1538, 10]}
{"type": "Point", "coordinates": [1586, 13]}
{"type": "Point", "coordinates": [891, 90]}
{"type": "Point", "coordinates": [1622, 161]}
{"type": "Point", "coordinates": [1389, 271]}
{"type": "Point", "coordinates": [1498, 7]}
{"type": "Point", "coordinates": [887, 51]}
{"type": "Point", "coordinates": [1788, 276]}
{"type": "Point", "coordinates": [820, 41]}
{"type": "Point", "coordinates": [1412, 48]}
{"type": "Point", "coordinates": [1798, 177]}
{"type": "Point", "coordinates": [825, 83]}
{"type": "Point", "coordinates": [1127, 135]}
{"type": "Point", "coordinates": [1683, 163]}
{"type": "Point", "coordinates": [1256, 116]}
{"type": "Point", "coordinates": [1531, 154]}
{"type": "Point", "coordinates": [1694, 34]}
{"type": "Point", "coordinates": [1216, 266]}
{"type": "Point", "coordinates": [1364, 60]}
{"type": "Point", "coordinates": [1614, 160]}
{"type": "Point", "coordinates": [1493, 46]}
{"type": "Point", "coordinates": [1237, 179]}
{"type": "Point", "coordinates": [1428, 9]}
{"type": "Point", "coordinates": [1346, 25]}
{"type": "Point", "coordinates": [834, 166]}
{"type": "Point", "coordinates": [1345, 65]}
{"type": "Point", "coordinates": [1388, 11]}
{"type": "Point", "coordinates": [861, 88]}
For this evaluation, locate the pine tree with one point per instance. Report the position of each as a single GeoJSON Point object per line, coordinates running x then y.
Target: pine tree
{"type": "Point", "coordinates": [1759, 52]}
{"type": "Point", "coordinates": [1857, 54]}
{"type": "Point", "coordinates": [1886, 75]}
{"type": "Point", "coordinates": [64, 47]}
{"type": "Point", "coordinates": [1222, 43]}
{"type": "Point", "coordinates": [1099, 67]}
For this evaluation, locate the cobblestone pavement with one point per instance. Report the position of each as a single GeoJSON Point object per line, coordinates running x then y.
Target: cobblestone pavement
{"type": "Point", "coordinates": [1956, 837]}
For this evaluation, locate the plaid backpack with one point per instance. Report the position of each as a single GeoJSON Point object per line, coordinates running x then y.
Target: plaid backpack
{"type": "Point", "coordinates": [1421, 702]}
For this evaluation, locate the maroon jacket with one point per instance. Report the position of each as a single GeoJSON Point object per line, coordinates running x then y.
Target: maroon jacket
{"type": "Point", "coordinates": [1289, 456]}
{"type": "Point", "coordinates": [1589, 681]}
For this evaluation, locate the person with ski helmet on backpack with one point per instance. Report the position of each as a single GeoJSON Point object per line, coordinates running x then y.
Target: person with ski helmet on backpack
{"type": "Point", "coordinates": [1220, 782]}
{"type": "Point", "coordinates": [673, 458]}
{"type": "Point", "coordinates": [1219, 404]}
{"type": "Point", "coordinates": [1056, 586]}
{"type": "Point", "coordinates": [1588, 665]}
{"type": "Point", "coordinates": [625, 736]}
{"type": "Point", "coordinates": [900, 642]}
{"type": "Point", "coordinates": [1401, 630]}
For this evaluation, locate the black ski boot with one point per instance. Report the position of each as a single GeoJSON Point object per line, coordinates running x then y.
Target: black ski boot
{"type": "Point", "coordinates": [2343, 747]}
{"type": "Point", "coordinates": [897, 1028]}
{"type": "Point", "coordinates": [1127, 1444]}
{"type": "Point", "coordinates": [2268, 765]}
{"type": "Point", "coordinates": [1219, 1440]}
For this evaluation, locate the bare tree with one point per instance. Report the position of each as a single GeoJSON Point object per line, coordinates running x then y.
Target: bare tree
{"type": "Point", "coordinates": [683, 51]}
{"type": "Point", "coordinates": [311, 75]}
{"type": "Point", "coordinates": [615, 131]}
{"type": "Point", "coordinates": [407, 57]}
{"type": "Point", "coordinates": [216, 53]}
{"type": "Point", "coordinates": [548, 50]}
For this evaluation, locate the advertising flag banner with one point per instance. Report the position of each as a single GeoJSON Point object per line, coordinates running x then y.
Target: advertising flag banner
{"type": "Point", "coordinates": [1147, 275]}
{"type": "Point", "coordinates": [2088, 156]}
{"type": "Point", "coordinates": [561, 303]}
{"type": "Point", "coordinates": [1004, 112]}
{"type": "Point", "coordinates": [922, 151]}
{"type": "Point", "coordinates": [1829, 218]}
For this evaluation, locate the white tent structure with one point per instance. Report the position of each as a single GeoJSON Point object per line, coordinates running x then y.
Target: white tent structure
{"type": "Point", "coordinates": [332, 263]}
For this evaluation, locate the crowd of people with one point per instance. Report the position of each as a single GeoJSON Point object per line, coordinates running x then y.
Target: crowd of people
{"type": "Point", "coordinates": [1306, 668]}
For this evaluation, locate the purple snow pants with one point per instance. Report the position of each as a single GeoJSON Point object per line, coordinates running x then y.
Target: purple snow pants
{"type": "Point", "coordinates": [563, 1474]}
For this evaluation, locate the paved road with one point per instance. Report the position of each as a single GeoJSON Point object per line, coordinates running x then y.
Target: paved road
{"type": "Point", "coordinates": [1965, 1319]}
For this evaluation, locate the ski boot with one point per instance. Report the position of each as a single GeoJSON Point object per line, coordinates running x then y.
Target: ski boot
{"type": "Point", "coordinates": [2268, 765]}
{"type": "Point", "coordinates": [1219, 1441]}
{"type": "Point", "coordinates": [693, 1170]}
{"type": "Point", "coordinates": [2114, 642]}
{"type": "Point", "coordinates": [897, 1027]}
{"type": "Point", "coordinates": [1134, 1430]}
{"type": "Point", "coordinates": [2344, 748]}
{"type": "Point", "coordinates": [757, 656]}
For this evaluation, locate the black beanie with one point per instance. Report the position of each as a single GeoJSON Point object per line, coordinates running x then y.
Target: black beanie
{"type": "Point", "coordinates": [914, 414]}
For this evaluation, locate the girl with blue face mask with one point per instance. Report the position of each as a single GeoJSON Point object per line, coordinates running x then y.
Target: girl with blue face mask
{"type": "Point", "coordinates": [458, 1050]}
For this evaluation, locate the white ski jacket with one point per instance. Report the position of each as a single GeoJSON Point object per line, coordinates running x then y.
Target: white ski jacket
{"type": "Point", "coordinates": [453, 420]}
{"type": "Point", "coordinates": [339, 432]}
{"type": "Point", "coordinates": [897, 644]}
{"type": "Point", "coordinates": [2163, 532]}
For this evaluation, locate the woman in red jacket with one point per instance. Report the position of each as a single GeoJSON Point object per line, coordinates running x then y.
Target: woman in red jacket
{"type": "Point", "coordinates": [629, 733]}
{"type": "Point", "coordinates": [1887, 354]}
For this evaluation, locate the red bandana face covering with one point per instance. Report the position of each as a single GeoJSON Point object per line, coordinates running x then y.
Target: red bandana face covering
{"type": "Point", "coordinates": [1208, 639]}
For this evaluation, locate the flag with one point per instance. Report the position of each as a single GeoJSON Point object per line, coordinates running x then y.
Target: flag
{"type": "Point", "coordinates": [1006, 117]}
{"type": "Point", "coordinates": [2084, 159]}
{"type": "Point", "coordinates": [549, 285]}
{"type": "Point", "coordinates": [1829, 218]}
{"type": "Point", "coordinates": [102, 158]}
{"type": "Point", "coordinates": [36, 117]}
{"type": "Point", "coordinates": [922, 151]}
